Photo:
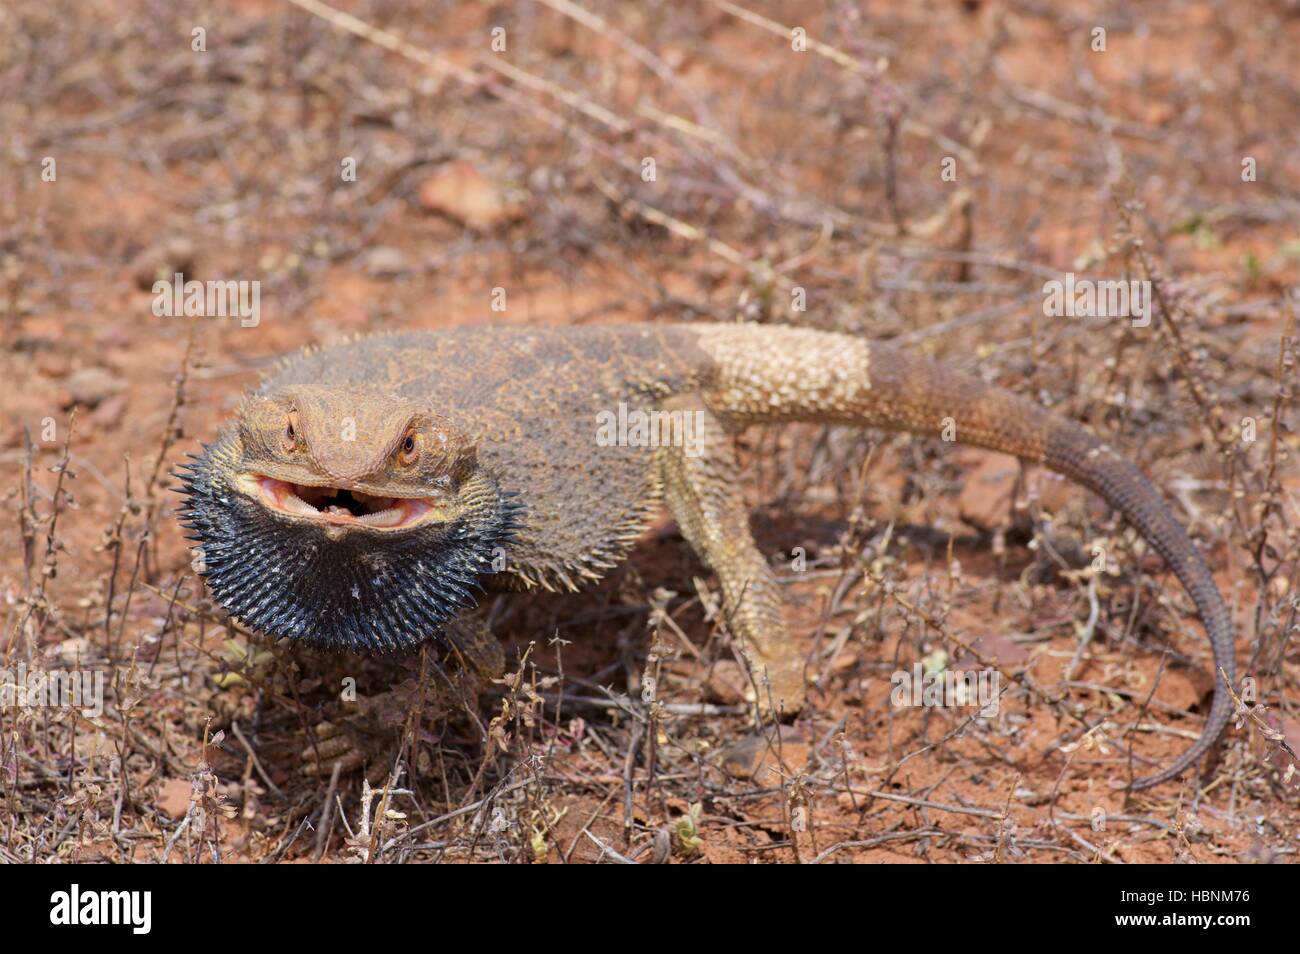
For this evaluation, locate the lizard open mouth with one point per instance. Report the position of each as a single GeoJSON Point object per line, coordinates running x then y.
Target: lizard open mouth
{"type": "Point", "coordinates": [335, 505]}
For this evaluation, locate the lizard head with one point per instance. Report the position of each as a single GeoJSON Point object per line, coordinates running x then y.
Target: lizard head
{"type": "Point", "coordinates": [345, 518]}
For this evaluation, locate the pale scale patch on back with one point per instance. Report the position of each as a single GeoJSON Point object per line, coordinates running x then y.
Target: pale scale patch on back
{"type": "Point", "coordinates": [786, 373]}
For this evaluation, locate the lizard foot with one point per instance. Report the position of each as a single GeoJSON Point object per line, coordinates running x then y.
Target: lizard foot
{"type": "Point", "coordinates": [779, 688]}
{"type": "Point", "coordinates": [368, 732]}
{"type": "Point", "coordinates": [764, 756]}
{"type": "Point", "coordinates": [366, 737]}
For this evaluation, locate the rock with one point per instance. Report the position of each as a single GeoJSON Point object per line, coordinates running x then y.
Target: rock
{"type": "Point", "coordinates": [75, 651]}
{"type": "Point", "coordinates": [989, 487]}
{"type": "Point", "coordinates": [109, 414]}
{"type": "Point", "coordinates": [1180, 688]}
{"type": "Point", "coordinates": [462, 193]}
{"type": "Point", "coordinates": [52, 364]}
{"type": "Point", "coordinates": [91, 386]}
{"type": "Point", "coordinates": [758, 758]}
{"type": "Point", "coordinates": [174, 797]}
{"type": "Point", "coordinates": [986, 494]}
{"type": "Point", "coordinates": [162, 260]}
{"type": "Point", "coordinates": [1052, 491]}
{"type": "Point", "coordinates": [727, 683]}
{"type": "Point", "coordinates": [384, 261]}
{"type": "Point", "coordinates": [997, 647]}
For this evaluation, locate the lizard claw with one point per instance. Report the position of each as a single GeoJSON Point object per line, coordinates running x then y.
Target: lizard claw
{"type": "Point", "coordinates": [333, 745]}
{"type": "Point", "coordinates": [366, 734]}
{"type": "Point", "coordinates": [781, 689]}
{"type": "Point", "coordinates": [354, 742]}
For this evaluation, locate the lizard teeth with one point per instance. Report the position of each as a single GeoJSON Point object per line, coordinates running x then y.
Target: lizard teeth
{"type": "Point", "coordinates": [291, 502]}
{"type": "Point", "coordinates": [391, 517]}
{"type": "Point", "coordinates": [317, 502]}
{"type": "Point", "coordinates": [403, 511]}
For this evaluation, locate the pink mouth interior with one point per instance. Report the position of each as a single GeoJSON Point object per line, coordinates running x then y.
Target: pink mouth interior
{"type": "Point", "coordinates": [345, 507]}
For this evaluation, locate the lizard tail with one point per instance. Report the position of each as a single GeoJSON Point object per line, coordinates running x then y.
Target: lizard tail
{"type": "Point", "coordinates": [775, 374]}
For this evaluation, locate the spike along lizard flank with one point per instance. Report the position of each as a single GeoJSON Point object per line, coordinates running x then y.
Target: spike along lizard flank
{"type": "Point", "coordinates": [366, 492]}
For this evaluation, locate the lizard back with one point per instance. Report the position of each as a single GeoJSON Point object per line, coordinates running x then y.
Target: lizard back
{"type": "Point", "coordinates": [530, 399]}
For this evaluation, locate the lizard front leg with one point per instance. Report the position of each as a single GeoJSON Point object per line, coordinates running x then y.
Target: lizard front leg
{"type": "Point", "coordinates": [369, 734]}
{"type": "Point", "coordinates": [701, 487]}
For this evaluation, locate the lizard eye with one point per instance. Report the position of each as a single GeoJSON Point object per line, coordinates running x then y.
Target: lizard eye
{"type": "Point", "coordinates": [407, 453]}
{"type": "Point", "coordinates": [291, 431]}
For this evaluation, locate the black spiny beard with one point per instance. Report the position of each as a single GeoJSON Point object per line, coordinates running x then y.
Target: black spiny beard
{"type": "Point", "coordinates": [366, 592]}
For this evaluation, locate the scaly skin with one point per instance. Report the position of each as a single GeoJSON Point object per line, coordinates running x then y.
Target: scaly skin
{"type": "Point", "coordinates": [482, 444]}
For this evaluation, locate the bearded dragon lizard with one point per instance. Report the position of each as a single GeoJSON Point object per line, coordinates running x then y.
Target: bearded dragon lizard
{"type": "Point", "coordinates": [366, 492]}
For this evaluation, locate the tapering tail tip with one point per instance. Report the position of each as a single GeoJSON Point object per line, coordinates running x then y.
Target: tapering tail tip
{"type": "Point", "coordinates": [1074, 452]}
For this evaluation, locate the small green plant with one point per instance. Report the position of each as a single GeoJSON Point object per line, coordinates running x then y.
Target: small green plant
{"type": "Point", "coordinates": [688, 829]}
